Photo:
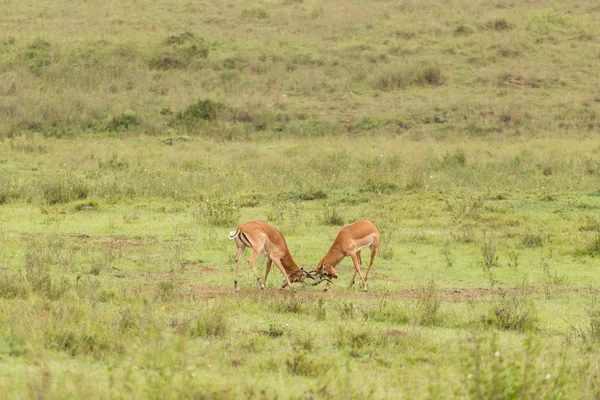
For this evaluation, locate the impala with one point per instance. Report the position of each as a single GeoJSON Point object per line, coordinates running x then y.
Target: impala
{"type": "Point", "coordinates": [349, 242]}
{"type": "Point", "coordinates": [262, 238]}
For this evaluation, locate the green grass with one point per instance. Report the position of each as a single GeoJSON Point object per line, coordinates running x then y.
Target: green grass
{"type": "Point", "coordinates": [127, 291]}
{"type": "Point", "coordinates": [134, 138]}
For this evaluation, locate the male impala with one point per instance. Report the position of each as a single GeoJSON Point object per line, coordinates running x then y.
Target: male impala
{"type": "Point", "coordinates": [262, 238]}
{"type": "Point", "coordinates": [349, 242]}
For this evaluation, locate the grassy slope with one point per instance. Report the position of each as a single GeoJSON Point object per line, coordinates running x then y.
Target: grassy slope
{"type": "Point", "coordinates": [301, 68]}
{"type": "Point", "coordinates": [471, 127]}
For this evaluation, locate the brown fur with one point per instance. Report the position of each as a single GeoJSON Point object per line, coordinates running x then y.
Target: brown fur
{"type": "Point", "coordinates": [349, 243]}
{"type": "Point", "coordinates": [264, 239]}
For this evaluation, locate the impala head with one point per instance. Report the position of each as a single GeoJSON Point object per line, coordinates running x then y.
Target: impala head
{"type": "Point", "coordinates": [325, 268]}
{"type": "Point", "coordinates": [300, 275]}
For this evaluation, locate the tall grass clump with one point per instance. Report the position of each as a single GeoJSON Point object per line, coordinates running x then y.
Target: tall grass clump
{"type": "Point", "coordinates": [591, 249]}
{"type": "Point", "coordinates": [219, 211]}
{"type": "Point", "coordinates": [63, 188]}
{"type": "Point", "coordinates": [511, 311]}
{"type": "Point", "coordinates": [428, 305]}
{"type": "Point", "coordinates": [210, 322]}
{"type": "Point", "coordinates": [491, 372]}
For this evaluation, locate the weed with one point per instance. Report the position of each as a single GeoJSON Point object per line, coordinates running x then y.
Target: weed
{"type": "Point", "coordinates": [220, 211]}
{"type": "Point", "coordinates": [257, 13]}
{"type": "Point", "coordinates": [488, 250]}
{"type": "Point", "coordinates": [63, 189]}
{"type": "Point", "coordinates": [275, 330]}
{"type": "Point", "coordinates": [447, 253]}
{"type": "Point", "coordinates": [331, 216]}
{"type": "Point", "coordinates": [511, 311]}
{"type": "Point", "coordinates": [592, 249]}
{"type": "Point", "coordinates": [123, 122]}
{"type": "Point", "coordinates": [202, 110]}
{"type": "Point", "coordinates": [457, 158]}
{"type": "Point", "coordinates": [428, 305]}
{"type": "Point", "coordinates": [490, 373]}
{"type": "Point", "coordinates": [513, 259]}
{"type": "Point", "coordinates": [210, 323]}
{"type": "Point", "coordinates": [531, 240]}
{"type": "Point", "coordinates": [305, 364]}
{"type": "Point", "coordinates": [463, 30]}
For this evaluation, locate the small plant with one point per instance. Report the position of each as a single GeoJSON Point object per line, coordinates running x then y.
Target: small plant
{"type": "Point", "coordinates": [592, 249]}
{"type": "Point", "coordinates": [210, 323]}
{"type": "Point", "coordinates": [530, 240]}
{"type": "Point", "coordinates": [331, 216]}
{"type": "Point", "coordinates": [488, 250]}
{"type": "Point", "coordinates": [305, 364]}
{"type": "Point", "coordinates": [258, 13]}
{"type": "Point", "coordinates": [166, 289]}
{"type": "Point", "coordinates": [492, 374]}
{"type": "Point", "coordinates": [385, 250]}
{"type": "Point", "coordinates": [428, 305]}
{"type": "Point", "coordinates": [220, 212]}
{"type": "Point", "coordinates": [63, 189]}
{"type": "Point", "coordinates": [202, 110]}
{"type": "Point", "coordinates": [513, 259]}
{"type": "Point", "coordinates": [462, 30]}
{"type": "Point", "coordinates": [447, 253]}
{"type": "Point", "coordinates": [275, 330]}
{"type": "Point", "coordinates": [123, 122]}
{"type": "Point", "coordinates": [511, 311]}
{"type": "Point", "coordinates": [456, 158]}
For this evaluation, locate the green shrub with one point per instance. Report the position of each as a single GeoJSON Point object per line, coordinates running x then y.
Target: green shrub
{"type": "Point", "coordinates": [210, 323]}
{"type": "Point", "coordinates": [428, 305]}
{"type": "Point", "coordinates": [123, 122]}
{"type": "Point", "coordinates": [202, 110]}
{"type": "Point", "coordinates": [220, 211]}
{"type": "Point", "coordinates": [511, 311]}
{"type": "Point", "coordinates": [258, 13]}
{"type": "Point", "coordinates": [181, 52]}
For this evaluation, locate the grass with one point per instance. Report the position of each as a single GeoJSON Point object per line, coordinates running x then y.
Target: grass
{"type": "Point", "coordinates": [133, 284]}
{"type": "Point", "coordinates": [479, 69]}
{"type": "Point", "coordinates": [127, 157]}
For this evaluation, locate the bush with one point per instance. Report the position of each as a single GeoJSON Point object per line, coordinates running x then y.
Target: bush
{"type": "Point", "coordinates": [211, 322]}
{"type": "Point", "coordinates": [428, 305]}
{"type": "Point", "coordinates": [123, 122]}
{"type": "Point", "coordinates": [220, 212]}
{"type": "Point", "coordinates": [511, 312]}
{"type": "Point", "coordinates": [181, 52]}
{"type": "Point", "coordinates": [202, 110]}
{"type": "Point", "coordinates": [491, 374]}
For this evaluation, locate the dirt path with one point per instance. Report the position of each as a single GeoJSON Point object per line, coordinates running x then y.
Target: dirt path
{"type": "Point", "coordinates": [445, 294]}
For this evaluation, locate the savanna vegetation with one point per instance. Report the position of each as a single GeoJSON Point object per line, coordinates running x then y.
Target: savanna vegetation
{"type": "Point", "coordinates": [134, 137]}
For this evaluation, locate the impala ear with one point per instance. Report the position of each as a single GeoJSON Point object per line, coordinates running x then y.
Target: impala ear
{"type": "Point", "coordinates": [323, 264]}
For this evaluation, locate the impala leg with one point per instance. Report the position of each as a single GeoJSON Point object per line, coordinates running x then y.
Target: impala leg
{"type": "Point", "coordinates": [285, 275]}
{"type": "Point", "coordinates": [374, 249]}
{"type": "Point", "coordinates": [251, 262]}
{"type": "Point", "coordinates": [357, 270]}
{"type": "Point", "coordinates": [326, 287]}
{"type": "Point", "coordinates": [238, 258]}
{"type": "Point", "coordinates": [360, 263]}
{"type": "Point", "coordinates": [269, 261]}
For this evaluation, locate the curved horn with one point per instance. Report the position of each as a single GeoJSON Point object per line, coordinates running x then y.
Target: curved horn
{"type": "Point", "coordinates": [319, 281]}
{"type": "Point", "coordinates": [310, 275]}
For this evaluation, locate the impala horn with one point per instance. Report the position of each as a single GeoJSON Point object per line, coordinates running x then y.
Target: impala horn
{"type": "Point", "coordinates": [319, 281]}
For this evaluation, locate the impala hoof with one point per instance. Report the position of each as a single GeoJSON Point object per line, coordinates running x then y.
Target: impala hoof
{"type": "Point", "coordinates": [325, 290]}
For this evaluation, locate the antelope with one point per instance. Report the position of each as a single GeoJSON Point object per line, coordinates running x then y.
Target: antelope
{"type": "Point", "coordinates": [264, 239]}
{"type": "Point", "coordinates": [349, 242]}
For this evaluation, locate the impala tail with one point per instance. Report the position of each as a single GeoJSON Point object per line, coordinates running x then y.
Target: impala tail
{"type": "Point", "coordinates": [233, 234]}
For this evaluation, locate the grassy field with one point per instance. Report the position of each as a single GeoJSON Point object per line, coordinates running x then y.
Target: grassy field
{"type": "Point", "coordinates": [135, 137]}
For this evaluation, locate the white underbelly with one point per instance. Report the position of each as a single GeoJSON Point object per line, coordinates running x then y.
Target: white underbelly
{"type": "Point", "coordinates": [363, 245]}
